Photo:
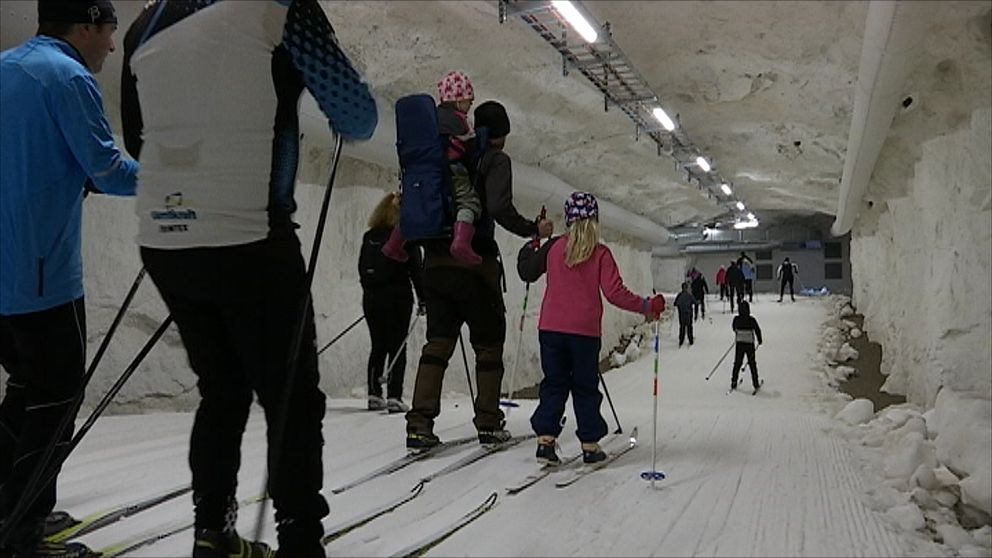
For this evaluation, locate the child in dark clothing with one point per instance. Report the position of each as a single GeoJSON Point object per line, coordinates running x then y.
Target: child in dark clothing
{"type": "Point", "coordinates": [746, 330]}
{"type": "Point", "coordinates": [685, 303]}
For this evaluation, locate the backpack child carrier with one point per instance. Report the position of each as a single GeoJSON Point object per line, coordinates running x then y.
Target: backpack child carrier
{"type": "Point", "coordinates": [427, 209]}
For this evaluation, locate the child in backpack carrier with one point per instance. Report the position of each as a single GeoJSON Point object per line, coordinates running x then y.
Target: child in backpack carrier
{"type": "Point", "coordinates": [579, 268]}
{"type": "Point", "coordinates": [456, 95]}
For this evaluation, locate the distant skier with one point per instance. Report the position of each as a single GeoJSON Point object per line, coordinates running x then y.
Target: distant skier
{"type": "Point", "coordinates": [699, 291]}
{"type": "Point", "coordinates": [735, 284]}
{"type": "Point", "coordinates": [747, 331]}
{"type": "Point", "coordinates": [747, 269]}
{"type": "Point", "coordinates": [721, 281]}
{"type": "Point", "coordinates": [581, 270]}
{"type": "Point", "coordinates": [787, 273]}
{"type": "Point", "coordinates": [685, 303]}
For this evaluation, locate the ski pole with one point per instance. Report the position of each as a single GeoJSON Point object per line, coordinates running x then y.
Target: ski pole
{"type": "Point", "coordinates": [654, 474]}
{"type": "Point", "coordinates": [340, 335]}
{"type": "Point", "coordinates": [296, 343]}
{"type": "Point", "coordinates": [32, 491]}
{"type": "Point", "coordinates": [509, 402]}
{"type": "Point", "coordinates": [396, 357]}
{"type": "Point", "coordinates": [468, 376]}
{"type": "Point", "coordinates": [535, 243]}
{"type": "Point", "coordinates": [609, 399]}
{"type": "Point", "coordinates": [77, 401]}
{"type": "Point", "coordinates": [727, 352]}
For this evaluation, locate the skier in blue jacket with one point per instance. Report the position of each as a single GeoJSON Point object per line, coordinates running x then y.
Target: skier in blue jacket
{"type": "Point", "coordinates": [55, 145]}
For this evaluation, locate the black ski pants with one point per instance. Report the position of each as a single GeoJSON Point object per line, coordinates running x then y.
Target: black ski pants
{"type": "Point", "coordinates": [744, 349]}
{"type": "Point", "coordinates": [749, 289]}
{"type": "Point", "coordinates": [387, 315]}
{"type": "Point", "coordinates": [456, 296]}
{"type": "Point", "coordinates": [685, 329]}
{"type": "Point", "coordinates": [723, 290]}
{"type": "Point", "coordinates": [781, 292]}
{"type": "Point", "coordinates": [44, 354]}
{"type": "Point", "coordinates": [236, 308]}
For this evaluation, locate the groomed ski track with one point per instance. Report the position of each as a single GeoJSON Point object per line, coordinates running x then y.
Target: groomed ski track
{"type": "Point", "coordinates": [747, 476]}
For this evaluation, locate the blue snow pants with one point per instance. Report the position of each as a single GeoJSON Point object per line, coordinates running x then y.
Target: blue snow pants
{"type": "Point", "coordinates": [571, 365]}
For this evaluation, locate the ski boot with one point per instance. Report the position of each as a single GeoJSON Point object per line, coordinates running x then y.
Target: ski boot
{"type": "Point", "coordinates": [420, 443]}
{"type": "Point", "coordinates": [592, 454]}
{"type": "Point", "coordinates": [376, 403]}
{"type": "Point", "coordinates": [396, 405]}
{"type": "Point", "coordinates": [208, 543]}
{"type": "Point", "coordinates": [546, 454]}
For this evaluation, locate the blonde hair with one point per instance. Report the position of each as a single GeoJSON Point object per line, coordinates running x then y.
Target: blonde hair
{"type": "Point", "coordinates": [386, 213]}
{"type": "Point", "coordinates": [583, 237]}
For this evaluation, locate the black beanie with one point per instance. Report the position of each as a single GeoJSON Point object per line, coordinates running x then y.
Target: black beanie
{"type": "Point", "coordinates": [492, 115]}
{"type": "Point", "coordinates": [76, 11]}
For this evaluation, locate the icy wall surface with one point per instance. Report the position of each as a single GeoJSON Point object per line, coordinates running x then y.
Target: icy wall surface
{"type": "Point", "coordinates": [165, 381]}
{"type": "Point", "coordinates": [921, 280]}
{"type": "Point", "coordinates": [921, 277]}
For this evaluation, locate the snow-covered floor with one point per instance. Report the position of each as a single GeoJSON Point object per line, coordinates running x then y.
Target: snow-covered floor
{"type": "Point", "coordinates": [763, 475]}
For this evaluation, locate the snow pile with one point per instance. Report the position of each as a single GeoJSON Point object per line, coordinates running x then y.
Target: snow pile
{"type": "Point", "coordinates": [918, 491]}
{"type": "Point", "coordinates": [933, 468]}
{"type": "Point", "coordinates": [858, 411]}
{"type": "Point", "coordinates": [629, 348]}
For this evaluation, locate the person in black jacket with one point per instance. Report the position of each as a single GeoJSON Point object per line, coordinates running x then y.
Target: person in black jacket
{"type": "Point", "coordinates": [747, 331]}
{"type": "Point", "coordinates": [685, 303]}
{"type": "Point", "coordinates": [787, 273]}
{"type": "Point", "coordinates": [387, 301]}
{"type": "Point", "coordinates": [699, 291]}
{"type": "Point", "coordinates": [735, 282]}
{"type": "Point", "coordinates": [458, 294]}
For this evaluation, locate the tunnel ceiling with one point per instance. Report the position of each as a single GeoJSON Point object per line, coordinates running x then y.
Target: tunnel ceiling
{"type": "Point", "coordinates": [764, 89]}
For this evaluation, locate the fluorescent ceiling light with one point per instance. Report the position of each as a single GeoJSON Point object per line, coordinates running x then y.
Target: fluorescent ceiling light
{"type": "Point", "coordinates": [703, 164]}
{"type": "Point", "coordinates": [750, 216]}
{"type": "Point", "coordinates": [726, 189]}
{"type": "Point", "coordinates": [662, 117]}
{"type": "Point", "coordinates": [746, 224]}
{"type": "Point", "coordinates": [575, 19]}
{"type": "Point", "coordinates": [740, 206]}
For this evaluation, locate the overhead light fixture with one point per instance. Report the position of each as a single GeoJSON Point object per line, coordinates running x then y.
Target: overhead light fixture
{"type": "Point", "coordinates": [726, 189]}
{"type": "Point", "coordinates": [740, 206]}
{"type": "Point", "coordinates": [575, 19]}
{"type": "Point", "coordinates": [750, 216]}
{"type": "Point", "coordinates": [746, 224]}
{"type": "Point", "coordinates": [662, 117]}
{"type": "Point", "coordinates": [703, 164]}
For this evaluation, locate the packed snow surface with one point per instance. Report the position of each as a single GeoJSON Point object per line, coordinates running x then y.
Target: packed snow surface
{"type": "Point", "coordinates": [766, 475]}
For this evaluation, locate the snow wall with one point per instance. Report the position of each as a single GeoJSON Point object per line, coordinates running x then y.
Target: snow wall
{"type": "Point", "coordinates": [165, 381]}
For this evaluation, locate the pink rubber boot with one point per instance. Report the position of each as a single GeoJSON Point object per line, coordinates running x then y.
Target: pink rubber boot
{"type": "Point", "coordinates": [461, 244]}
{"type": "Point", "coordinates": [393, 249]}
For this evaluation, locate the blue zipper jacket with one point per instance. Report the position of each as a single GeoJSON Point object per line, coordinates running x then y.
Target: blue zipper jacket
{"type": "Point", "coordinates": [54, 138]}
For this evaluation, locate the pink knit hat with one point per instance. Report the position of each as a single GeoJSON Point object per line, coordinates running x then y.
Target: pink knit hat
{"type": "Point", "coordinates": [455, 86]}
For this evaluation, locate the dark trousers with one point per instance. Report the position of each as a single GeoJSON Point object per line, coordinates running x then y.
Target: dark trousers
{"type": "Point", "coordinates": [456, 296]}
{"type": "Point", "coordinates": [781, 292]}
{"type": "Point", "coordinates": [571, 365]}
{"type": "Point", "coordinates": [44, 354]}
{"type": "Point", "coordinates": [735, 294]}
{"type": "Point", "coordinates": [236, 308]}
{"type": "Point", "coordinates": [723, 291]}
{"type": "Point", "coordinates": [685, 328]}
{"type": "Point", "coordinates": [387, 315]}
{"type": "Point", "coordinates": [744, 349]}
{"type": "Point", "coordinates": [699, 307]}
{"type": "Point", "coordinates": [749, 289]}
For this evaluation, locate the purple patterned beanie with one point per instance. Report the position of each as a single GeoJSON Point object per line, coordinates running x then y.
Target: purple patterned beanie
{"type": "Point", "coordinates": [580, 205]}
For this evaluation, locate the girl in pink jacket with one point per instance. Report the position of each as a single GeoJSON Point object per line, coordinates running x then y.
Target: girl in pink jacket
{"type": "Point", "coordinates": [579, 268]}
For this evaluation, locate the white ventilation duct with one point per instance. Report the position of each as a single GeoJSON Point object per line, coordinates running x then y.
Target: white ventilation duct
{"type": "Point", "coordinates": [894, 34]}
{"type": "Point", "coordinates": [529, 183]}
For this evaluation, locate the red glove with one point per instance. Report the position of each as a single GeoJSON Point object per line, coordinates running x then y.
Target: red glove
{"type": "Point", "coordinates": [656, 306]}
